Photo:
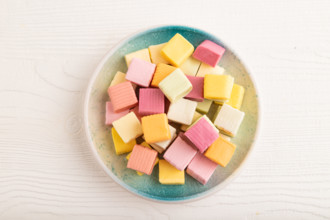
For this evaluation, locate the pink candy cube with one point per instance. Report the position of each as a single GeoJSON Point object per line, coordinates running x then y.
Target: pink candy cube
{"type": "Point", "coordinates": [197, 92]}
{"type": "Point", "coordinates": [202, 134]}
{"type": "Point", "coordinates": [209, 53]}
{"type": "Point", "coordinates": [201, 168]}
{"type": "Point", "coordinates": [140, 72]}
{"type": "Point", "coordinates": [151, 101]}
{"type": "Point", "coordinates": [180, 153]}
{"type": "Point", "coordinates": [110, 115]}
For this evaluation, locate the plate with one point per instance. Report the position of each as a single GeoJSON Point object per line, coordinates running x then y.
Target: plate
{"type": "Point", "coordinates": [99, 135]}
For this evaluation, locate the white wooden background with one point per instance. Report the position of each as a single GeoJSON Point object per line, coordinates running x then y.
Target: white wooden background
{"type": "Point", "coordinates": [48, 50]}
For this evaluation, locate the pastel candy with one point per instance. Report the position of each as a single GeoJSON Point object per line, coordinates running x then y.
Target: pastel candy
{"type": "Point", "coordinates": [180, 153]}
{"type": "Point", "coordinates": [120, 146]}
{"type": "Point", "coordinates": [118, 78]}
{"type": "Point", "coordinates": [201, 168]}
{"type": "Point", "coordinates": [182, 111]}
{"type": "Point", "coordinates": [175, 86]}
{"type": "Point", "coordinates": [169, 175]}
{"type": "Point", "coordinates": [209, 52]}
{"type": "Point", "coordinates": [218, 87]}
{"type": "Point", "coordinates": [197, 92]}
{"type": "Point", "coordinates": [122, 96]}
{"type": "Point", "coordinates": [140, 72]}
{"type": "Point", "coordinates": [110, 115]}
{"type": "Point", "coordinates": [162, 145]}
{"type": "Point", "coordinates": [162, 70]}
{"type": "Point", "coordinates": [151, 101]}
{"type": "Point", "coordinates": [195, 118]}
{"type": "Point", "coordinates": [155, 54]}
{"type": "Point", "coordinates": [204, 106]}
{"type": "Point", "coordinates": [128, 127]}
{"type": "Point", "coordinates": [156, 128]}
{"type": "Point", "coordinates": [202, 134]}
{"type": "Point", "coordinates": [236, 97]}
{"type": "Point", "coordinates": [190, 66]}
{"type": "Point", "coordinates": [207, 69]}
{"type": "Point", "coordinates": [142, 159]}
{"type": "Point", "coordinates": [177, 50]}
{"type": "Point", "coordinates": [141, 54]}
{"type": "Point", "coordinates": [221, 151]}
{"type": "Point", "coordinates": [228, 120]}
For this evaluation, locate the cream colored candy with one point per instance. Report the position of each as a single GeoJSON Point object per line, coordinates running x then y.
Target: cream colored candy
{"type": "Point", "coordinates": [207, 69]}
{"type": "Point", "coordinates": [182, 111]}
{"type": "Point", "coordinates": [161, 146]}
{"type": "Point", "coordinates": [119, 78]}
{"type": "Point", "coordinates": [155, 55]}
{"type": "Point", "coordinates": [190, 66]}
{"type": "Point", "coordinates": [141, 54]}
{"type": "Point", "coordinates": [229, 120]}
{"type": "Point", "coordinates": [128, 127]}
{"type": "Point", "coordinates": [204, 107]}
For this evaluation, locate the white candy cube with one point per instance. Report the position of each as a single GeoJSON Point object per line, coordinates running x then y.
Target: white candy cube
{"type": "Point", "coordinates": [182, 111]}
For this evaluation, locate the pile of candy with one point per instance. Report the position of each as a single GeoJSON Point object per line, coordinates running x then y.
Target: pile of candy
{"type": "Point", "coordinates": [187, 80]}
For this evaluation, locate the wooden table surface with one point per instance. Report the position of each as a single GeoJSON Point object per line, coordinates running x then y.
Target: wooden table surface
{"type": "Point", "coordinates": [48, 50]}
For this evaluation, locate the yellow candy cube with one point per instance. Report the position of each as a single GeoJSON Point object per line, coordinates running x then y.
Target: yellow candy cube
{"type": "Point", "coordinates": [177, 50]}
{"type": "Point", "coordinates": [155, 54]}
{"type": "Point", "coordinates": [170, 175]}
{"type": "Point", "coordinates": [207, 69]}
{"type": "Point", "coordinates": [120, 146]}
{"type": "Point", "coordinates": [236, 97]}
{"type": "Point", "coordinates": [221, 151]}
{"type": "Point", "coordinates": [218, 87]}
{"type": "Point", "coordinates": [141, 54]}
{"type": "Point", "coordinates": [156, 128]}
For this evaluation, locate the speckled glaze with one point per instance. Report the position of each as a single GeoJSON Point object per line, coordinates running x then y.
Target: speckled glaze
{"type": "Point", "coordinates": [99, 135]}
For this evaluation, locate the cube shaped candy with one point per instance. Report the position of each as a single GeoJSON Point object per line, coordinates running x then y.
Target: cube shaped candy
{"type": "Point", "coordinates": [175, 86]}
{"type": "Point", "coordinates": [118, 78]}
{"type": "Point", "coordinates": [221, 151]}
{"type": "Point", "coordinates": [141, 54]}
{"type": "Point", "coordinates": [162, 145]}
{"type": "Point", "coordinates": [204, 106]}
{"type": "Point", "coordinates": [142, 159]}
{"type": "Point", "coordinates": [140, 72]}
{"type": "Point", "coordinates": [228, 120]}
{"type": "Point", "coordinates": [162, 70]}
{"type": "Point", "coordinates": [156, 128]}
{"type": "Point", "coordinates": [151, 101]}
{"type": "Point", "coordinates": [197, 92]}
{"type": "Point", "coordinates": [128, 127]}
{"type": "Point", "coordinates": [209, 52]}
{"type": "Point", "coordinates": [180, 153]}
{"type": "Point", "coordinates": [201, 168]}
{"type": "Point", "coordinates": [190, 66]}
{"type": "Point", "coordinates": [218, 87]}
{"type": "Point", "coordinates": [236, 97]}
{"type": "Point", "coordinates": [177, 50]}
{"type": "Point", "coordinates": [202, 133]}
{"type": "Point", "coordinates": [122, 96]}
{"type": "Point", "coordinates": [110, 115]}
{"type": "Point", "coordinates": [169, 175]}
{"type": "Point", "coordinates": [120, 146]}
{"type": "Point", "coordinates": [195, 118]}
{"type": "Point", "coordinates": [207, 69]}
{"type": "Point", "coordinates": [155, 54]}
{"type": "Point", "coordinates": [182, 111]}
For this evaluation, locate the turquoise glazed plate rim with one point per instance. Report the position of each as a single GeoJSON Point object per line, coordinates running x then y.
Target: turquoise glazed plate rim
{"type": "Point", "coordinates": [99, 135]}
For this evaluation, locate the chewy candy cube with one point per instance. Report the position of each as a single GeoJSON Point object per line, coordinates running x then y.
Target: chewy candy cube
{"type": "Point", "coordinates": [162, 70]}
{"type": "Point", "coordinates": [162, 145]}
{"type": "Point", "coordinates": [221, 151]}
{"type": "Point", "coordinates": [155, 54]}
{"type": "Point", "coordinates": [120, 146]}
{"type": "Point", "coordinates": [190, 66]}
{"type": "Point", "coordinates": [140, 72]}
{"type": "Point", "coordinates": [141, 54]}
{"type": "Point", "coordinates": [177, 50]}
{"type": "Point", "coordinates": [175, 86]}
{"type": "Point", "coordinates": [195, 118]}
{"type": "Point", "coordinates": [218, 87]}
{"type": "Point", "coordinates": [229, 119]}
{"type": "Point", "coordinates": [236, 97]}
{"type": "Point", "coordinates": [209, 52]}
{"type": "Point", "coordinates": [128, 127]}
{"type": "Point", "coordinates": [156, 128]}
{"type": "Point", "coordinates": [182, 111]}
{"type": "Point", "coordinates": [142, 159]}
{"type": "Point", "coordinates": [151, 101]}
{"type": "Point", "coordinates": [180, 153]}
{"type": "Point", "coordinates": [169, 175]}
{"type": "Point", "coordinates": [204, 106]}
{"type": "Point", "coordinates": [202, 133]}
{"type": "Point", "coordinates": [201, 168]}
{"type": "Point", "coordinates": [207, 69]}
{"type": "Point", "coordinates": [197, 92]}
{"type": "Point", "coordinates": [122, 96]}
{"type": "Point", "coordinates": [110, 115]}
{"type": "Point", "coordinates": [118, 78]}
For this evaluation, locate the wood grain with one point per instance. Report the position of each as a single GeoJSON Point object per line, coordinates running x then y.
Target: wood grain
{"type": "Point", "coordinates": [48, 50]}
